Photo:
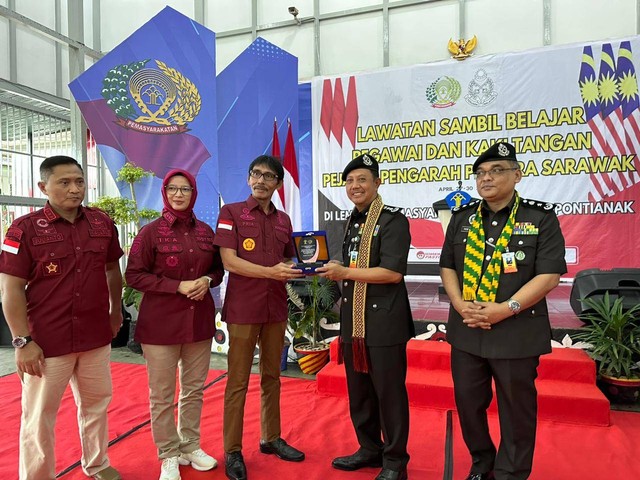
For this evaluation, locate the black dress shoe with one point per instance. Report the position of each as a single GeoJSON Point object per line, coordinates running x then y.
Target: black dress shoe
{"type": "Point", "coordinates": [481, 476]}
{"type": "Point", "coordinates": [356, 461]}
{"type": "Point", "coordinates": [388, 474]}
{"type": "Point", "coordinates": [234, 466]}
{"type": "Point", "coordinates": [281, 450]}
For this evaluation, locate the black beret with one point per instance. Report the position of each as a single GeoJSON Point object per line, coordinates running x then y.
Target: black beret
{"type": "Point", "coordinates": [361, 161]}
{"type": "Point", "coordinates": [497, 151]}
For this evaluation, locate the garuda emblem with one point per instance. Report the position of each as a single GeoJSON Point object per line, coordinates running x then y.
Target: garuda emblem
{"type": "Point", "coordinates": [462, 48]}
{"type": "Point", "coordinates": [151, 100]}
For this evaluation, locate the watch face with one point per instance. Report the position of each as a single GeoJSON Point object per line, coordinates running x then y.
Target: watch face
{"type": "Point", "coordinates": [19, 342]}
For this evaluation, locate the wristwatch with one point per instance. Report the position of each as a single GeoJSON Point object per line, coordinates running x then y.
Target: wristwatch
{"type": "Point", "coordinates": [209, 279]}
{"type": "Point", "coordinates": [20, 342]}
{"type": "Point", "coordinates": [514, 306]}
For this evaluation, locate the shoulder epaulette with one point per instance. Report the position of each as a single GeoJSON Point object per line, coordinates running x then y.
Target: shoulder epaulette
{"type": "Point", "coordinates": [466, 206]}
{"type": "Point", "coordinates": [390, 209]}
{"type": "Point", "coordinates": [544, 206]}
{"type": "Point", "coordinates": [98, 211]}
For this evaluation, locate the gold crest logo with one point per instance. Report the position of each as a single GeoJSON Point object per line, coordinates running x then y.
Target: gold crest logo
{"type": "Point", "coordinates": [249, 244]}
{"type": "Point", "coordinates": [165, 100]}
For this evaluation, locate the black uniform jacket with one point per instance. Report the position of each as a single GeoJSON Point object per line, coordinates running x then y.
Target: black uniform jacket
{"type": "Point", "coordinates": [538, 245]}
{"type": "Point", "coordinates": [388, 319]}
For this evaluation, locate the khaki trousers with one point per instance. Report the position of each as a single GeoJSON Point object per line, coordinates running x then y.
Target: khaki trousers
{"type": "Point", "coordinates": [90, 376]}
{"type": "Point", "coordinates": [242, 343]}
{"type": "Point", "coordinates": [192, 360]}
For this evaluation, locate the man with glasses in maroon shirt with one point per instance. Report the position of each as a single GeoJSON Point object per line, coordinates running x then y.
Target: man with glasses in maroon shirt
{"type": "Point", "coordinates": [61, 295]}
{"type": "Point", "coordinates": [256, 248]}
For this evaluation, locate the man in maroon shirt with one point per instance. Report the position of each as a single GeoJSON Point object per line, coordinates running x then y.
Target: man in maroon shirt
{"type": "Point", "coordinates": [61, 292]}
{"type": "Point", "coordinates": [256, 247]}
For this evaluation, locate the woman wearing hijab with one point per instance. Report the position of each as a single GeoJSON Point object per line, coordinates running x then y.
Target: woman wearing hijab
{"type": "Point", "coordinates": [174, 262]}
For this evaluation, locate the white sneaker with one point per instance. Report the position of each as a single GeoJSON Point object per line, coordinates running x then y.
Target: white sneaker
{"type": "Point", "coordinates": [170, 469]}
{"type": "Point", "coordinates": [198, 460]}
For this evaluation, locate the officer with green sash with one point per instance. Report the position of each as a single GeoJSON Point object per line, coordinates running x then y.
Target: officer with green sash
{"type": "Point", "coordinates": [500, 257]}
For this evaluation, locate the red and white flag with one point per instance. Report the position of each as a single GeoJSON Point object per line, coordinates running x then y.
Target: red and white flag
{"type": "Point", "coordinates": [291, 187]}
{"type": "Point", "coordinates": [225, 224]}
{"type": "Point", "coordinates": [278, 200]}
{"type": "Point", "coordinates": [10, 246]}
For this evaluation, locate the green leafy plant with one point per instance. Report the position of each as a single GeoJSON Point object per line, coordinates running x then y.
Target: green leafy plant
{"type": "Point", "coordinates": [306, 311]}
{"type": "Point", "coordinates": [124, 211]}
{"type": "Point", "coordinates": [613, 335]}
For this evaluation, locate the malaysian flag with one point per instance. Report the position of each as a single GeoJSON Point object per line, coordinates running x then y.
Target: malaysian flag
{"type": "Point", "coordinates": [588, 83]}
{"type": "Point", "coordinates": [630, 106]}
{"type": "Point", "coordinates": [610, 109]}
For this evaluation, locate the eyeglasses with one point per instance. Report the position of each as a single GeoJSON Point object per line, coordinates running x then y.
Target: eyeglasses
{"type": "Point", "coordinates": [268, 176]}
{"type": "Point", "coordinates": [494, 172]}
{"type": "Point", "coordinates": [172, 190]}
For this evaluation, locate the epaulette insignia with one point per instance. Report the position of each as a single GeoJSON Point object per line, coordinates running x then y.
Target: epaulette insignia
{"type": "Point", "coordinates": [473, 203]}
{"type": "Point", "coordinates": [544, 206]}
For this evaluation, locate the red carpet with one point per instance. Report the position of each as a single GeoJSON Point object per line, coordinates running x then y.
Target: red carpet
{"type": "Point", "coordinates": [568, 452]}
{"type": "Point", "coordinates": [566, 383]}
{"type": "Point", "coordinates": [320, 426]}
{"type": "Point", "coordinates": [129, 408]}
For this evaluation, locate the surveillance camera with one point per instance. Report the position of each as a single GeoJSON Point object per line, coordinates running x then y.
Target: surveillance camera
{"type": "Point", "coordinates": [293, 11]}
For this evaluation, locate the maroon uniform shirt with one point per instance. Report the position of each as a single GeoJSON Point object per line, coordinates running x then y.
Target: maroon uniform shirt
{"type": "Point", "coordinates": [164, 253]}
{"type": "Point", "coordinates": [263, 239]}
{"type": "Point", "coordinates": [64, 265]}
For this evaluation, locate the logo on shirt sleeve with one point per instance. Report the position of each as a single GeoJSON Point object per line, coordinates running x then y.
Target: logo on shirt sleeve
{"type": "Point", "coordinates": [225, 224]}
{"type": "Point", "coordinates": [10, 246]}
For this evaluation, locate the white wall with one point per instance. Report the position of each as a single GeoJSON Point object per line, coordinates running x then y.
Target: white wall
{"type": "Point", "coordinates": [347, 43]}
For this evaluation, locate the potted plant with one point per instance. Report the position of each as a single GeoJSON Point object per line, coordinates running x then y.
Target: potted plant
{"type": "Point", "coordinates": [307, 307]}
{"type": "Point", "coordinates": [612, 332]}
{"type": "Point", "coordinates": [125, 213]}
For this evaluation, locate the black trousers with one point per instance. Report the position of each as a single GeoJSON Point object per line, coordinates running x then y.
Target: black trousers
{"type": "Point", "coordinates": [378, 403]}
{"type": "Point", "coordinates": [517, 411]}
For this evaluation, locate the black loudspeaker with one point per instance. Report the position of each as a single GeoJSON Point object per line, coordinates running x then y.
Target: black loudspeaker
{"type": "Point", "coordinates": [593, 283]}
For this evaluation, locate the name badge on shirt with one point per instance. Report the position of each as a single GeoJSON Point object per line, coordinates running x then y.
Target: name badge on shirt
{"type": "Point", "coordinates": [353, 259]}
{"type": "Point", "coordinates": [509, 262]}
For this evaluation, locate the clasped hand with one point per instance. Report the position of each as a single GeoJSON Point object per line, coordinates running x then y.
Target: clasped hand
{"type": "Point", "coordinates": [194, 289]}
{"type": "Point", "coordinates": [482, 314]}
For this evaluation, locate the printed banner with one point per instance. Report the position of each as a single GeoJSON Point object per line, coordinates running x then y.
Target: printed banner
{"type": "Point", "coordinates": [257, 87]}
{"type": "Point", "coordinates": [152, 101]}
{"type": "Point", "coordinates": [572, 113]}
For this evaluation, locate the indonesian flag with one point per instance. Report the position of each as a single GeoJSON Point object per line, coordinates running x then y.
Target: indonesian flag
{"type": "Point", "coordinates": [10, 246]}
{"type": "Point", "coordinates": [278, 200]}
{"type": "Point", "coordinates": [291, 187]}
{"type": "Point", "coordinates": [225, 224]}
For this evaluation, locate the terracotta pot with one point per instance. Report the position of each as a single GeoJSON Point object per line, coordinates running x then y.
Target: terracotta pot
{"type": "Point", "coordinates": [312, 358]}
{"type": "Point", "coordinates": [619, 390]}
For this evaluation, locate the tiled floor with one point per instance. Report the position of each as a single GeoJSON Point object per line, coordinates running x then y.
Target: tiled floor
{"type": "Point", "coordinates": [427, 304]}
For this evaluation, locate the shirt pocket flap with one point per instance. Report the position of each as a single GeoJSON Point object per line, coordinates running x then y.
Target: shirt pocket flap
{"type": "Point", "coordinates": [524, 248]}
{"type": "Point", "coordinates": [169, 247]}
{"type": "Point", "coordinates": [249, 231]}
{"type": "Point", "coordinates": [282, 236]}
{"type": "Point", "coordinates": [379, 303]}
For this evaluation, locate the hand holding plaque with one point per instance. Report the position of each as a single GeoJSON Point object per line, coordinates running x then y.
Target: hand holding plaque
{"type": "Point", "coordinates": [311, 249]}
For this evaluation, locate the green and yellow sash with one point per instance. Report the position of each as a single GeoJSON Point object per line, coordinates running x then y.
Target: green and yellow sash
{"type": "Point", "coordinates": [475, 287]}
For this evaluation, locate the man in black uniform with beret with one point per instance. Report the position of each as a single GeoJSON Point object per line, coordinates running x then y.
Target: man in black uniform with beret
{"type": "Point", "coordinates": [501, 256]}
{"type": "Point", "coordinates": [376, 323]}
